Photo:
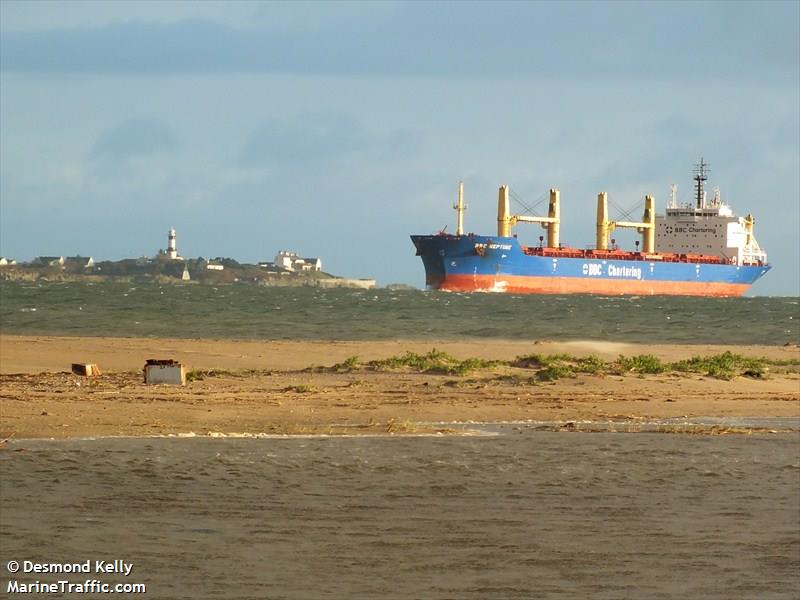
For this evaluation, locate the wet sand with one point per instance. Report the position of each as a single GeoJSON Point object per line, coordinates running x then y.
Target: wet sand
{"type": "Point", "coordinates": [40, 398]}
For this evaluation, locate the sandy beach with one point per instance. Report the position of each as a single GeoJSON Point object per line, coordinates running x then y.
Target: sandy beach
{"type": "Point", "coordinates": [288, 387]}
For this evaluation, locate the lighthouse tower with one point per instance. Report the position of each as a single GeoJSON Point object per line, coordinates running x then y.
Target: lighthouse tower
{"type": "Point", "coordinates": [172, 248]}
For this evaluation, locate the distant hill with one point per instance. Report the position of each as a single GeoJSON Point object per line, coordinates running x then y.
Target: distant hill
{"type": "Point", "coordinates": [215, 271]}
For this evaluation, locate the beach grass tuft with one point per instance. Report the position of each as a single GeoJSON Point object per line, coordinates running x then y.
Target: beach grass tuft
{"type": "Point", "coordinates": [549, 367]}
{"type": "Point", "coordinates": [538, 361]}
{"type": "Point", "coordinates": [554, 371]}
{"type": "Point", "coordinates": [590, 364]}
{"type": "Point", "coordinates": [726, 365]}
{"type": "Point", "coordinates": [348, 365]}
{"type": "Point", "coordinates": [641, 363]}
{"type": "Point", "coordinates": [434, 361]}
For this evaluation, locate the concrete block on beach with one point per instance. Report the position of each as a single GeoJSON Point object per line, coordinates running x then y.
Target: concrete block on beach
{"type": "Point", "coordinates": [164, 371]}
{"type": "Point", "coordinates": [86, 369]}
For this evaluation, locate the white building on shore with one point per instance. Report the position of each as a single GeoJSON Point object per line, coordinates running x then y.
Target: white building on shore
{"type": "Point", "coordinates": [292, 262]}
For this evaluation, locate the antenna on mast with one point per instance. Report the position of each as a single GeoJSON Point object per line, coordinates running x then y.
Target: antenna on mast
{"type": "Point", "coordinates": [699, 178]}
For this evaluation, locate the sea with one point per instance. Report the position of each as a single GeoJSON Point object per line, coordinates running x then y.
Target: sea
{"type": "Point", "coordinates": [247, 311]}
{"type": "Point", "coordinates": [518, 515]}
{"type": "Point", "coordinates": [509, 511]}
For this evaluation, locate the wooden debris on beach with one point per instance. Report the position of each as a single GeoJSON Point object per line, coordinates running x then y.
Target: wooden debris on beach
{"type": "Point", "coordinates": [167, 371]}
{"type": "Point", "coordinates": [86, 369]}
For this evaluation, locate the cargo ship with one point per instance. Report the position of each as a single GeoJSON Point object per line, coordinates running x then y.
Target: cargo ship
{"type": "Point", "coordinates": [700, 248]}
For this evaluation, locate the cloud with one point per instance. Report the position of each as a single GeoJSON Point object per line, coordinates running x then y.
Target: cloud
{"type": "Point", "coordinates": [564, 40]}
{"type": "Point", "coordinates": [321, 138]}
{"type": "Point", "coordinates": [134, 138]}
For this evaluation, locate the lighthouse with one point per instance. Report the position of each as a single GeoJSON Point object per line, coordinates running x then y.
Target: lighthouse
{"type": "Point", "coordinates": [172, 247]}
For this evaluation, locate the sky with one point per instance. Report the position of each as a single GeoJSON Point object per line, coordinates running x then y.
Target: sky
{"type": "Point", "coordinates": [338, 129]}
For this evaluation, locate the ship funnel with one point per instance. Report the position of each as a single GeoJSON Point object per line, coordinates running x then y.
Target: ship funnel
{"type": "Point", "coordinates": [503, 213]}
{"type": "Point", "coordinates": [554, 213]}
{"type": "Point", "coordinates": [603, 224]}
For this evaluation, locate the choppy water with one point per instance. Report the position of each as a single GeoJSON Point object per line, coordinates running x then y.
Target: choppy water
{"type": "Point", "coordinates": [251, 312]}
{"type": "Point", "coordinates": [532, 515]}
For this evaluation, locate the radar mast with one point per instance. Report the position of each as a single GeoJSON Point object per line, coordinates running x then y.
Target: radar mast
{"type": "Point", "coordinates": [700, 177]}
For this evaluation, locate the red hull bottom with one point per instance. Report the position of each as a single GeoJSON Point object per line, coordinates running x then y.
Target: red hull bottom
{"type": "Point", "coordinates": [573, 285]}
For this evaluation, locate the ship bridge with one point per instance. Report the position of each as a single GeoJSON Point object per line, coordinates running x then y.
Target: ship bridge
{"type": "Point", "coordinates": [707, 227]}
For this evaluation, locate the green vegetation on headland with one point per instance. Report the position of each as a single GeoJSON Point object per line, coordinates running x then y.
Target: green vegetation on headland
{"type": "Point", "coordinates": [550, 367]}
{"type": "Point", "coordinates": [162, 270]}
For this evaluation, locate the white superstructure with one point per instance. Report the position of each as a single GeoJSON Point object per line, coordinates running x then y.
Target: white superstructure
{"type": "Point", "coordinates": [707, 228]}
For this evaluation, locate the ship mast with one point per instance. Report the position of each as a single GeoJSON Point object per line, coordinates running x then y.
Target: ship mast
{"type": "Point", "coordinates": [700, 177]}
{"type": "Point", "coordinates": [460, 207]}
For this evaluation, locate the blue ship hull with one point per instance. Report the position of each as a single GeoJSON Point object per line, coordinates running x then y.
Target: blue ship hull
{"type": "Point", "coordinates": [501, 264]}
